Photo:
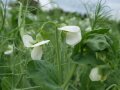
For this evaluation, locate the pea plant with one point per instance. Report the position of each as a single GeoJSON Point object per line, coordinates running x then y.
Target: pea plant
{"type": "Point", "coordinates": [58, 53]}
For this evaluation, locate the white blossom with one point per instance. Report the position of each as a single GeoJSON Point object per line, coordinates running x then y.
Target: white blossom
{"type": "Point", "coordinates": [37, 52]}
{"type": "Point", "coordinates": [9, 51]}
{"type": "Point", "coordinates": [95, 74]}
{"type": "Point", "coordinates": [27, 40]}
{"type": "Point", "coordinates": [73, 34]}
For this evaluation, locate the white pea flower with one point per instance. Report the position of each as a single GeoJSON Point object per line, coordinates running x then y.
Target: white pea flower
{"type": "Point", "coordinates": [95, 74]}
{"type": "Point", "coordinates": [9, 51]}
{"type": "Point", "coordinates": [27, 40]}
{"type": "Point", "coordinates": [36, 52]}
{"type": "Point", "coordinates": [73, 35]}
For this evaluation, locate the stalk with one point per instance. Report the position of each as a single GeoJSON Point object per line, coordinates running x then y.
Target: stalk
{"type": "Point", "coordinates": [3, 13]}
{"type": "Point", "coordinates": [58, 56]}
{"type": "Point", "coordinates": [58, 52]}
{"type": "Point", "coordinates": [21, 23]}
{"type": "Point", "coordinates": [113, 85]}
{"type": "Point", "coordinates": [69, 76]}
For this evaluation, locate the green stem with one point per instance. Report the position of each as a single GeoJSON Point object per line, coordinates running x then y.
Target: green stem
{"type": "Point", "coordinates": [35, 87]}
{"type": "Point", "coordinates": [3, 14]}
{"type": "Point", "coordinates": [70, 76]}
{"type": "Point", "coordinates": [21, 77]}
{"type": "Point", "coordinates": [113, 85]}
{"type": "Point", "coordinates": [19, 15]}
{"type": "Point", "coordinates": [58, 52]}
{"type": "Point", "coordinates": [58, 56]}
{"type": "Point", "coordinates": [21, 22]}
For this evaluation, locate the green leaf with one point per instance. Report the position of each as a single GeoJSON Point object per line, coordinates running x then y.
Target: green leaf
{"type": "Point", "coordinates": [97, 42]}
{"type": "Point", "coordinates": [113, 79]}
{"type": "Point", "coordinates": [14, 83]}
{"type": "Point", "coordinates": [86, 59]}
{"type": "Point", "coordinates": [43, 74]}
{"type": "Point", "coordinates": [99, 31]}
{"type": "Point", "coordinates": [96, 31]}
{"type": "Point", "coordinates": [6, 85]}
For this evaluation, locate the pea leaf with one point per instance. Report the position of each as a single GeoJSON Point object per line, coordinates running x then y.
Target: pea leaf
{"type": "Point", "coordinates": [97, 42]}
{"type": "Point", "coordinates": [89, 58]}
{"type": "Point", "coordinates": [14, 83]}
{"type": "Point", "coordinates": [98, 31]}
{"type": "Point", "coordinates": [43, 74]}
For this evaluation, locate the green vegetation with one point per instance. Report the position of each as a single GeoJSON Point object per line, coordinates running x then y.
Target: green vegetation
{"type": "Point", "coordinates": [58, 51]}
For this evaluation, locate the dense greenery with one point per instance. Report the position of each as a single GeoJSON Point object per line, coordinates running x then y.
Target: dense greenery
{"type": "Point", "coordinates": [62, 66]}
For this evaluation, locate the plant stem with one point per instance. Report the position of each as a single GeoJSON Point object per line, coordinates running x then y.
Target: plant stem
{"type": "Point", "coordinates": [58, 56]}
{"type": "Point", "coordinates": [35, 87]}
{"type": "Point", "coordinates": [58, 52]}
{"type": "Point", "coordinates": [113, 85]}
{"type": "Point", "coordinates": [70, 75]}
{"type": "Point", "coordinates": [3, 14]}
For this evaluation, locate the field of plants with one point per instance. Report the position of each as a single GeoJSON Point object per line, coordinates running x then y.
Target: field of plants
{"type": "Point", "coordinates": [57, 50]}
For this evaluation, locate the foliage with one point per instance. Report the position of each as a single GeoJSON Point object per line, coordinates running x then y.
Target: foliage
{"type": "Point", "coordinates": [62, 67]}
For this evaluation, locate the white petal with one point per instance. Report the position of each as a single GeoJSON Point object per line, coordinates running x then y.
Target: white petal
{"type": "Point", "coordinates": [70, 28]}
{"type": "Point", "coordinates": [36, 53]}
{"type": "Point", "coordinates": [73, 38]}
{"type": "Point", "coordinates": [95, 75]}
{"type": "Point", "coordinates": [9, 51]}
{"type": "Point", "coordinates": [40, 43]}
{"type": "Point", "coordinates": [27, 40]}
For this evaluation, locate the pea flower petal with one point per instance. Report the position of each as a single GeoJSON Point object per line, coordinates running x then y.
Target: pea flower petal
{"type": "Point", "coordinates": [73, 34]}
{"type": "Point", "coordinates": [36, 53]}
{"type": "Point", "coordinates": [95, 74]}
{"type": "Point", "coordinates": [73, 38]}
{"type": "Point", "coordinates": [9, 51]}
{"type": "Point", "coordinates": [70, 28]}
{"type": "Point", "coordinates": [27, 40]}
{"type": "Point", "coordinates": [40, 43]}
